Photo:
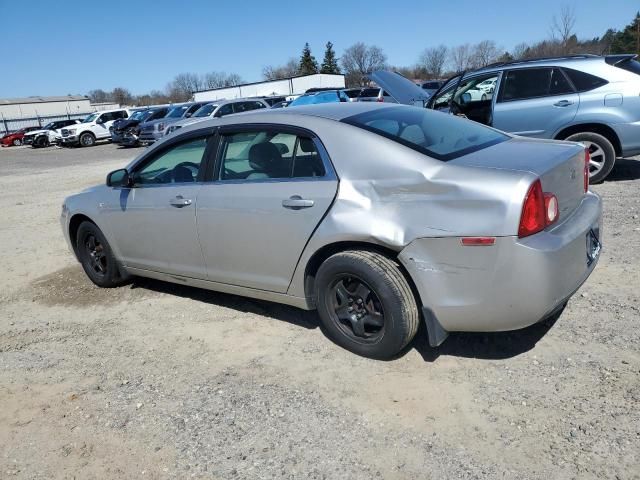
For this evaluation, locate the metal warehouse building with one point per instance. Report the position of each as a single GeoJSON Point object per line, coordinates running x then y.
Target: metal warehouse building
{"type": "Point", "coordinates": [44, 106]}
{"type": "Point", "coordinates": [285, 86]}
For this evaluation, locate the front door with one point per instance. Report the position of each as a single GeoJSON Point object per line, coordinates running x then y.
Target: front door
{"type": "Point", "coordinates": [154, 222]}
{"type": "Point", "coordinates": [535, 102]}
{"type": "Point", "coordinates": [271, 190]}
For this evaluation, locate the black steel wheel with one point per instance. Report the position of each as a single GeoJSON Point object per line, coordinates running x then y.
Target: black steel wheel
{"type": "Point", "coordinates": [96, 256]}
{"type": "Point", "coordinates": [356, 309]}
{"type": "Point", "coordinates": [366, 304]}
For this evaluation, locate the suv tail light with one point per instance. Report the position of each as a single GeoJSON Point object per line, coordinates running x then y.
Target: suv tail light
{"type": "Point", "coordinates": [587, 161]}
{"type": "Point", "coordinates": [538, 211]}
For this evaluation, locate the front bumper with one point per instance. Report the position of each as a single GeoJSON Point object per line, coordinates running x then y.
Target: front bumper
{"type": "Point", "coordinates": [116, 136]}
{"type": "Point", "coordinates": [70, 140]}
{"type": "Point", "coordinates": [27, 140]}
{"type": "Point", "coordinates": [150, 136]}
{"type": "Point", "coordinates": [510, 285]}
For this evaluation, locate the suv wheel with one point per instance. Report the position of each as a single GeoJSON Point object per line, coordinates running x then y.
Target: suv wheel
{"type": "Point", "coordinates": [87, 140]}
{"type": "Point", "coordinates": [601, 151]}
{"type": "Point", "coordinates": [365, 303]}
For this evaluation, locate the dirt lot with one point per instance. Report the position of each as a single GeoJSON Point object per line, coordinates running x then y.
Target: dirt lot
{"type": "Point", "coordinates": [154, 380]}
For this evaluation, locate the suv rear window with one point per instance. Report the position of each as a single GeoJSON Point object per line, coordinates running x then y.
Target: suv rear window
{"type": "Point", "coordinates": [435, 134]}
{"type": "Point", "coordinates": [584, 81]}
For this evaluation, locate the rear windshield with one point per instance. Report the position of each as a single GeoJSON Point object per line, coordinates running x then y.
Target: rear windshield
{"type": "Point", "coordinates": [438, 135]}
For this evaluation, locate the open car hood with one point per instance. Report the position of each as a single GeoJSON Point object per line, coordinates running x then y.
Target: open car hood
{"type": "Point", "coordinates": [400, 88]}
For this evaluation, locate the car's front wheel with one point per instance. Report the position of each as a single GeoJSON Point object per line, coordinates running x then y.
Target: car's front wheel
{"type": "Point", "coordinates": [41, 142]}
{"type": "Point", "coordinates": [87, 139]}
{"type": "Point", "coordinates": [16, 142]}
{"type": "Point", "coordinates": [601, 151]}
{"type": "Point", "coordinates": [96, 256]}
{"type": "Point", "coordinates": [366, 304]}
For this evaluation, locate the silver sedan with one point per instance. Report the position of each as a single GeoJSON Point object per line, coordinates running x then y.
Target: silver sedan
{"type": "Point", "coordinates": [378, 216]}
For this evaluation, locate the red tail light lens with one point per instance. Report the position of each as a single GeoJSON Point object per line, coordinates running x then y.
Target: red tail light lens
{"type": "Point", "coordinates": [533, 217]}
{"type": "Point", "coordinates": [587, 161]}
{"type": "Point", "coordinates": [538, 211]}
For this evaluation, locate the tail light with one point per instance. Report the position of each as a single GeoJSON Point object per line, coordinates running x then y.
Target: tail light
{"type": "Point", "coordinates": [587, 161]}
{"type": "Point", "coordinates": [538, 211]}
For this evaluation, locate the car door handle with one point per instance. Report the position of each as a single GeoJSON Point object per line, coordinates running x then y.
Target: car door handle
{"type": "Point", "coordinates": [296, 202]}
{"type": "Point", "coordinates": [563, 103]}
{"type": "Point", "coordinates": [179, 201]}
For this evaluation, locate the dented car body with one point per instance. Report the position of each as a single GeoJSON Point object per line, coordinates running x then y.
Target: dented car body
{"type": "Point", "coordinates": [443, 199]}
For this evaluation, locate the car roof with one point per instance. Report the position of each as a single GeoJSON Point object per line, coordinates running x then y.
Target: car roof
{"type": "Point", "coordinates": [546, 61]}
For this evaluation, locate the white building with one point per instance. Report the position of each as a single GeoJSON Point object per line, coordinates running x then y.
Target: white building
{"type": "Point", "coordinates": [30, 107]}
{"type": "Point", "coordinates": [285, 86]}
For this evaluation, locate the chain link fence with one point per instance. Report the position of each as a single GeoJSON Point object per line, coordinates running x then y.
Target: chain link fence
{"type": "Point", "coordinates": [8, 125]}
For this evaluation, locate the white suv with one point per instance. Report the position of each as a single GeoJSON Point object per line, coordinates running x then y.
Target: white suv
{"type": "Point", "coordinates": [94, 127]}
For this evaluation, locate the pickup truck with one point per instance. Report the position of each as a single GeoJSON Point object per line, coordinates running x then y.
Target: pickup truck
{"type": "Point", "coordinates": [93, 128]}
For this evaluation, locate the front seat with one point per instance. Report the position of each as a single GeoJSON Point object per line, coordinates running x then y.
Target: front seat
{"type": "Point", "coordinates": [266, 161]}
{"type": "Point", "coordinates": [182, 174]}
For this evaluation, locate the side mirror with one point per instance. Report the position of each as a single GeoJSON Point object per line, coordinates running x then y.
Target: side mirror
{"type": "Point", "coordinates": [119, 178]}
{"type": "Point", "coordinates": [187, 115]}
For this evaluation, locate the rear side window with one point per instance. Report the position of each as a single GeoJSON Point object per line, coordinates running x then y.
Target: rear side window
{"type": "Point", "coordinates": [435, 134]}
{"type": "Point", "coordinates": [584, 81]}
{"type": "Point", "coordinates": [262, 155]}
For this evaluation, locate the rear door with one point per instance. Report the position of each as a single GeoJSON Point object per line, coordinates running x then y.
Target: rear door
{"type": "Point", "coordinates": [535, 102]}
{"type": "Point", "coordinates": [270, 189]}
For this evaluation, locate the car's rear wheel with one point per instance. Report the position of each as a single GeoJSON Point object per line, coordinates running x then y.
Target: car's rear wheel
{"type": "Point", "coordinates": [96, 256]}
{"type": "Point", "coordinates": [601, 151]}
{"type": "Point", "coordinates": [87, 139]}
{"type": "Point", "coordinates": [16, 142]}
{"type": "Point", "coordinates": [366, 304]}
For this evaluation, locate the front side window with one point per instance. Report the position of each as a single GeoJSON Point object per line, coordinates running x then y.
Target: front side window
{"type": "Point", "coordinates": [90, 118]}
{"type": "Point", "coordinates": [262, 155]}
{"type": "Point", "coordinates": [471, 89]}
{"type": "Point", "coordinates": [179, 164]}
{"type": "Point", "coordinates": [225, 110]}
{"type": "Point", "coordinates": [106, 117]}
{"type": "Point", "coordinates": [176, 112]}
{"type": "Point", "coordinates": [437, 135]}
{"type": "Point", "coordinates": [205, 110]}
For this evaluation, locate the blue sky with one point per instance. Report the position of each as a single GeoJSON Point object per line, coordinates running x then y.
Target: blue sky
{"type": "Point", "coordinates": [56, 48]}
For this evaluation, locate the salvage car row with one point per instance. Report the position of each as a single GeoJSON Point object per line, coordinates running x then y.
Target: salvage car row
{"type": "Point", "coordinates": [590, 99]}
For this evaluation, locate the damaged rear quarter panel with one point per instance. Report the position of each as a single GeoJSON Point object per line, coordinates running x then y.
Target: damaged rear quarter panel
{"type": "Point", "coordinates": [390, 195]}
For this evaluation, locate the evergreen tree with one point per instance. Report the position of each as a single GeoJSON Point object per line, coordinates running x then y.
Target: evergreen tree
{"type": "Point", "coordinates": [308, 64]}
{"type": "Point", "coordinates": [330, 62]}
{"type": "Point", "coordinates": [628, 40]}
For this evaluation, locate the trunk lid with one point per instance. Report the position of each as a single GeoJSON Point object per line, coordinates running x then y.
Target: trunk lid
{"type": "Point", "coordinates": [559, 165]}
{"type": "Point", "coordinates": [400, 88]}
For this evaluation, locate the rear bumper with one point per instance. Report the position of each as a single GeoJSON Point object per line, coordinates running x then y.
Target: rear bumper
{"type": "Point", "coordinates": [629, 135]}
{"type": "Point", "coordinates": [510, 285]}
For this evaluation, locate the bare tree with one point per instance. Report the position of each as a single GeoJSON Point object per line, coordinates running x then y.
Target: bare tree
{"type": "Point", "coordinates": [562, 26]}
{"type": "Point", "coordinates": [484, 53]}
{"type": "Point", "coordinates": [121, 96]}
{"type": "Point", "coordinates": [181, 88]}
{"type": "Point", "coordinates": [433, 60]}
{"type": "Point", "coordinates": [520, 51]}
{"type": "Point", "coordinates": [289, 69]}
{"type": "Point", "coordinates": [98, 96]}
{"type": "Point", "coordinates": [461, 57]}
{"type": "Point", "coordinates": [359, 60]}
{"type": "Point", "coordinates": [221, 79]}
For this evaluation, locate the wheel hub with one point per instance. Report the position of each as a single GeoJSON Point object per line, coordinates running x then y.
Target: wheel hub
{"type": "Point", "coordinates": [357, 309]}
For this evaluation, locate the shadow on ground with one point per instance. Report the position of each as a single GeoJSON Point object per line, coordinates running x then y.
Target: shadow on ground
{"type": "Point", "coordinates": [624, 169]}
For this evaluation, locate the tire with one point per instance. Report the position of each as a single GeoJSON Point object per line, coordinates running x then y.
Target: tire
{"type": "Point", "coordinates": [87, 139]}
{"type": "Point", "coordinates": [389, 311]}
{"type": "Point", "coordinates": [41, 142]}
{"type": "Point", "coordinates": [602, 152]}
{"type": "Point", "coordinates": [16, 142]}
{"type": "Point", "coordinates": [96, 258]}
{"type": "Point", "coordinates": [484, 97]}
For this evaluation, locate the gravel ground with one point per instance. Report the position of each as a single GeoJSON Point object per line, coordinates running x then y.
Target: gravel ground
{"type": "Point", "coordinates": [154, 380]}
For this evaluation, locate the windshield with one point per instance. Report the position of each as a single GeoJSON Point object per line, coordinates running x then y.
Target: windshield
{"type": "Point", "coordinates": [435, 134]}
{"type": "Point", "coordinates": [205, 110]}
{"type": "Point", "coordinates": [49, 126]}
{"type": "Point", "coordinates": [177, 112]}
{"type": "Point", "coordinates": [90, 118]}
{"type": "Point", "coordinates": [139, 115]}
{"type": "Point", "coordinates": [303, 100]}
